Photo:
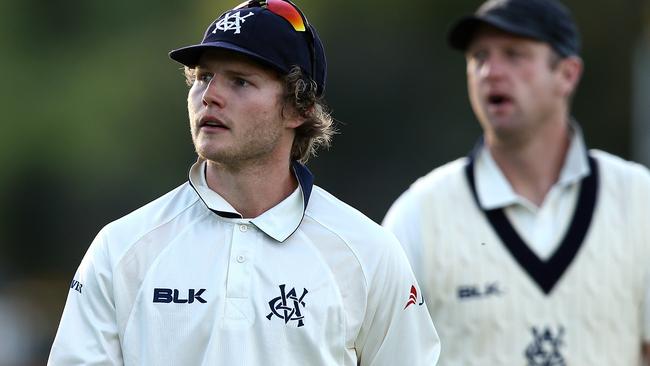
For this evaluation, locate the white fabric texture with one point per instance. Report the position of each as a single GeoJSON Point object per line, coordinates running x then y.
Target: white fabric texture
{"type": "Point", "coordinates": [489, 311]}
{"type": "Point", "coordinates": [174, 283]}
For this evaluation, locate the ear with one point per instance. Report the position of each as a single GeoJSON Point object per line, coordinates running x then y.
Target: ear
{"type": "Point", "coordinates": [569, 73]}
{"type": "Point", "coordinates": [294, 121]}
{"type": "Point", "coordinates": [292, 118]}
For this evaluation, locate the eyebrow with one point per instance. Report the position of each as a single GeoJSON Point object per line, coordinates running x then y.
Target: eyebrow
{"type": "Point", "coordinates": [236, 70]}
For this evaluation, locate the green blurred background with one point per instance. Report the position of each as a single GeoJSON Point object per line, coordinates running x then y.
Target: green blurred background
{"type": "Point", "coordinates": [94, 119]}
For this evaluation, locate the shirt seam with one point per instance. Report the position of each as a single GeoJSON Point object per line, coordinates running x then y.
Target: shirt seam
{"type": "Point", "coordinates": [356, 257]}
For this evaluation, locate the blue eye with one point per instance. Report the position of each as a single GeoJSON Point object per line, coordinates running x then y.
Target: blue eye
{"type": "Point", "coordinates": [240, 82]}
{"type": "Point", "coordinates": [204, 77]}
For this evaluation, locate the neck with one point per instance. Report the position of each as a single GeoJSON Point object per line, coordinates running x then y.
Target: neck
{"type": "Point", "coordinates": [534, 166]}
{"type": "Point", "coordinates": [252, 189]}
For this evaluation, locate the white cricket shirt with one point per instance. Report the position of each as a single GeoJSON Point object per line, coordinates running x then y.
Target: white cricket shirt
{"type": "Point", "coordinates": [185, 280]}
{"type": "Point", "coordinates": [496, 302]}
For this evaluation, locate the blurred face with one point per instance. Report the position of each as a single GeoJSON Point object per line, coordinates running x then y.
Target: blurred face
{"type": "Point", "coordinates": [235, 111]}
{"type": "Point", "coordinates": [515, 84]}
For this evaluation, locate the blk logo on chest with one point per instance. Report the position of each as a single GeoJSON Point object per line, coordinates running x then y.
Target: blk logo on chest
{"type": "Point", "coordinates": [467, 292]}
{"type": "Point", "coordinates": [168, 295]}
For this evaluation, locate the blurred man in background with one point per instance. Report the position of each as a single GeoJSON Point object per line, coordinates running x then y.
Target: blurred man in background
{"type": "Point", "coordinates": [533, 250]}
{"type": "Point", "coordinates": [20, 333]}
{"type": "Point", "coordinates": [248, 263]}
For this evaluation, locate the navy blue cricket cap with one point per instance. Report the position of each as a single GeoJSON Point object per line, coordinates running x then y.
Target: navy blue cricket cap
{"type": "Point", "coordinates": [273, 32]}
{"type": "Point", "coordinates": [544, 20]}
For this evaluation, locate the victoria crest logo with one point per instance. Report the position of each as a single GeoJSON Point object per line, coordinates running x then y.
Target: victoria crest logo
{"type": "Point", "coordinates": [544, 350]}
{"type": "Point", "coordinates": [231, 22]}
{"type": "Point", "coordinates": [288, 306]}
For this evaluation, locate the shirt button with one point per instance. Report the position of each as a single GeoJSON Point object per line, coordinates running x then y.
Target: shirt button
{"type": "Point", "coordinates": [241, 259]}
{"type": "Point", "coordinates": [243, 228]}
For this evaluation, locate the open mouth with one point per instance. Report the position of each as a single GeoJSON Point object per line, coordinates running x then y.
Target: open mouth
{"type": "Point", "coordinates": [498, 100]}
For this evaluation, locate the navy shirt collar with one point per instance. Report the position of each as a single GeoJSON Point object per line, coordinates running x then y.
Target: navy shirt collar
{"type": "Point", "coordinates": [279, 222]}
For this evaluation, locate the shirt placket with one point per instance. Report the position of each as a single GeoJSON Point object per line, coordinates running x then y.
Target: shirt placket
{"type": "Point", "coordinates": [239, 311]}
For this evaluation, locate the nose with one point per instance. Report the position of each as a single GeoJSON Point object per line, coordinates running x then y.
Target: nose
{"type": "Point", "coordinates": [212, 95]}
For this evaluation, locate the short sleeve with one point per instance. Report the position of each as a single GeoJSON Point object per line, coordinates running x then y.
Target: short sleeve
{"type": "Point", "coordinates": [88, 333]}
{"type": "Point", "coordinates": [397, 328]}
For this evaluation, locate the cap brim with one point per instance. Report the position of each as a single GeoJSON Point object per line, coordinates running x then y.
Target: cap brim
{"type": "Point", "coordinates": [190, 55]}
{"type": "Point", "coordinates": [462, 32]}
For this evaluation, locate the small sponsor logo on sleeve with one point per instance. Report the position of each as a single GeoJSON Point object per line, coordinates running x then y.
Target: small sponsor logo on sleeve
{"type": "Point", "coordinates": [76, 285]}
{"type": "Point", "coordinates": [413, 298]}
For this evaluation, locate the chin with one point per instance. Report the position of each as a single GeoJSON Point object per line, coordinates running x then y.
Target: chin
{"type": "Point", "coordinates": [207, 153]}
{"type": "Point", "coordinates": [220, 157]}
{"type": "Point", "coordinates": [503, 123]}
{"type": "Point", "coordinates": [210, 155]}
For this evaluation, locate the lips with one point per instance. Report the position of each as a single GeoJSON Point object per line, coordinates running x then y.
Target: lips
{"type": "Point", "coordinates": [211, 123]}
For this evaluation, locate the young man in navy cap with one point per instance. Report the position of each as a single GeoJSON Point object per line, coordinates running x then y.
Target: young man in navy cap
{"type": "Point", "coordinates": [248, 263]}
{"type": "Point", "coordinates": [533, 250]}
